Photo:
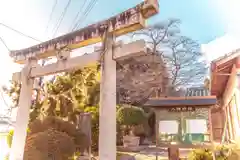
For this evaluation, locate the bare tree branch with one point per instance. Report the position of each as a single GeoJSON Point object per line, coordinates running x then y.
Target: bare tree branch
{"type": "Point", "coordinates": [181, 55]}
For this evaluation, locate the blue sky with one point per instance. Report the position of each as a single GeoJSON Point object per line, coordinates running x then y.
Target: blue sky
{"type": "Point", "coordinates": [199, 19]}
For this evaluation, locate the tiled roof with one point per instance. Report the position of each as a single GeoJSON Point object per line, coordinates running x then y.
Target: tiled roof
{"type": "Point", "coordinates": [234, 53]}
{"type": "Point", "coordinates": [197, 91]}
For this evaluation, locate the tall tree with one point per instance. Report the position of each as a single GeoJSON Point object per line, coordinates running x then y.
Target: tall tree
{"type": "Point", "coordinates": [181, 55]}
{"type": "Point", "coordinates": [65, 96]}
{"type": "Point", "coordinates": [13, 91]}
{"type": "Point", "coordinates": [71, 92]}
{"type": "Point", "coordinates": [138, 77]}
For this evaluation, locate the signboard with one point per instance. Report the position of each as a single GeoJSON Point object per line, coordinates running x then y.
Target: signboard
{"type": "Point", "coordinates": [182, 109]}
{"type": "Point", "coordinates": [131, 20]}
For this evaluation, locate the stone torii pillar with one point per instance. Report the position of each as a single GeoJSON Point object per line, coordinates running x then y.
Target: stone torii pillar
{"type": "Point", "coordinates": [107, 134]}
{"type": "Point", "coordinates": [20, 128]}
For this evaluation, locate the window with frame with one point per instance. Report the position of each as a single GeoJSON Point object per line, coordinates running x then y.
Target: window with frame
{"type": "Point", "coordinates": [196, 126]}
{"type": "Point", "coordinates": [168, 127]}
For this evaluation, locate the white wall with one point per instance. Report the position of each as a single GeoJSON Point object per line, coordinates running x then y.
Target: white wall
{"type": "Point", "coordinates": [170, 127]}
{"type": "Point", "coordinates": [196, 126]}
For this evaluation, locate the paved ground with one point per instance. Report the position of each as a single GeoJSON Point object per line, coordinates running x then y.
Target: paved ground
{"type": "Point", "coordinates": [149, 155]}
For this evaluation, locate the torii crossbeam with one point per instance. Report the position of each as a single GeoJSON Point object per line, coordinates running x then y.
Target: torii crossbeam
{"type": "Point", "coordinates": [128, 21]}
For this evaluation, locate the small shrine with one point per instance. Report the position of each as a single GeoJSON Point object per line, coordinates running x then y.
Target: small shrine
{"type": "Point", "coordinates": [184, 120]}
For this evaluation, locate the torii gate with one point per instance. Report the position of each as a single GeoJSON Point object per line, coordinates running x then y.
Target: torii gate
{"type": "Point", "coordinates": [131, 20]}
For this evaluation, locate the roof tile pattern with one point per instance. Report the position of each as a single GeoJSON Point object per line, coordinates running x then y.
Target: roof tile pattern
{"type": "Point", "coordinates": [197, 91]}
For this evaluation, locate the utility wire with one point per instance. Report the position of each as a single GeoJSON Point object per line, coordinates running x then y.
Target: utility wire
{"type": "Point", "coordinates": [89, 11]}
{"type": "Point", "coordinates": [61, 18]}
{"type": "Point", "coordinates": [51, 14]}
{"type": "Point", "coordinates": [85, 14]}
{"type": "Point", "coordinates": [3, 42]}
{"type": "Point", "coordinates": [19, 32]}
{"type": "Point", "coordinates": [77, 15]}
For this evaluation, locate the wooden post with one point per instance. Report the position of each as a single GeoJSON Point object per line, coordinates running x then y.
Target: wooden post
{"type": "Point", "coordinates": [225, 130]}
{"type": "Point", "coordinates": [210, 125]}
{"type": "Point", "coordinates": [20, 128]}
{"type": "Point", "coordinates": [107, 133]}
{"type": "Point", "coordinates": [157, 134]}
{"type": "Point", "coordinates": [173, 153]}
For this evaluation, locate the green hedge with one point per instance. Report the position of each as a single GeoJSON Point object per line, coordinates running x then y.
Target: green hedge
{"type": "Point", "coordinates": [131, 116]}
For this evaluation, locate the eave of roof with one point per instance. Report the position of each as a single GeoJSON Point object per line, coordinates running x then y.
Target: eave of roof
{"type": "Point", "coordinates": [219, 67]}
{"type": "Point", "coordinates": [198, 101]}
{"type": "Point", "coordinates": [226, 57]}
{"type": "Point", "coordinates": [197, 91]}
